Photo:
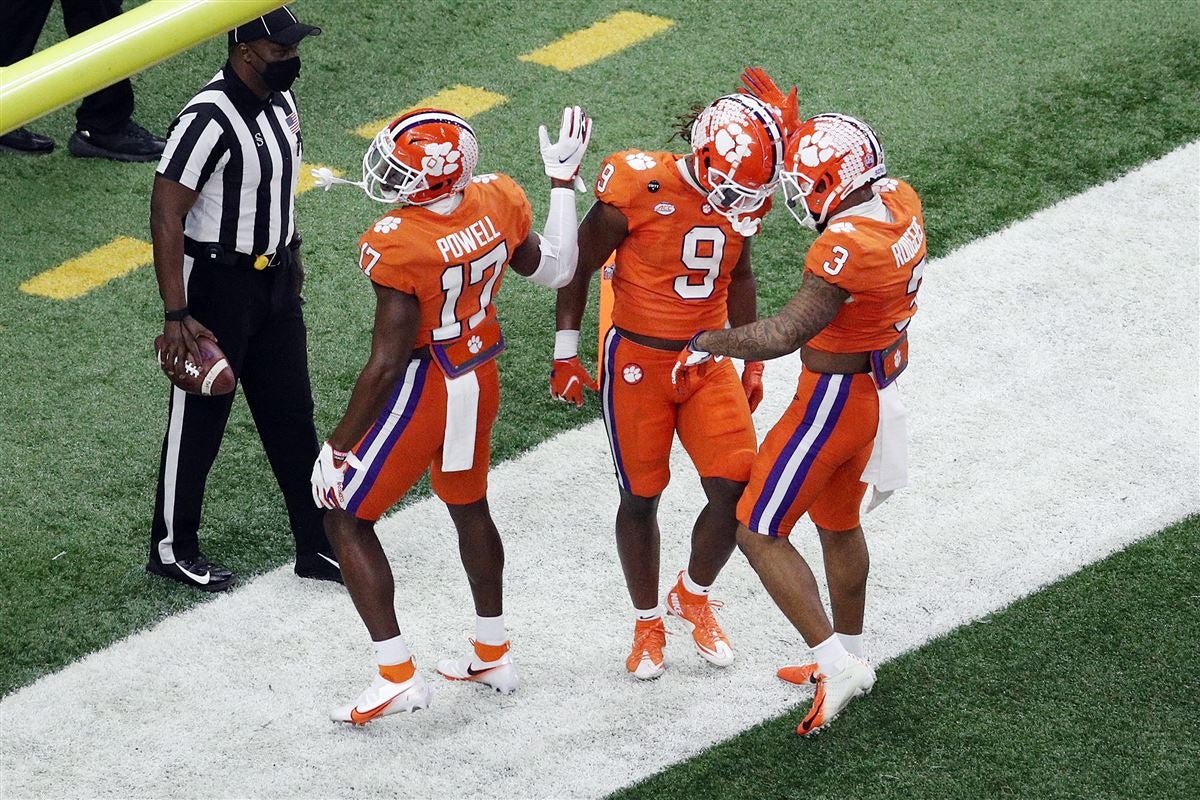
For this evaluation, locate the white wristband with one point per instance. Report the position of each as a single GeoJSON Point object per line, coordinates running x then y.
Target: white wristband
{"type": "Point", "coordinates": [566, 344]}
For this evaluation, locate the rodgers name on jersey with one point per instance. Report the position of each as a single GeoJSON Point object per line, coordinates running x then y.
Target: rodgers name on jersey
{"type": "Point", "coordinates": [452, 263]}
{"type": "Point", "coordinates": [879, 263]}
{"type": "Point", "coordinates": [673, 268]}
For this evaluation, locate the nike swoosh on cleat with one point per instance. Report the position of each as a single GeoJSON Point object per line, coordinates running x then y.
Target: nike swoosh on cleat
{"type": "Point", "coordinates": [200, 579]}
{"type": "Point", "coordinates": [475, 673]}
{"type": "Point", "coordinates": [330, 560]}
{"type": "Point", "coordinates": [806, 723]}
{"type": "Point", "coordinates": [363, 717]}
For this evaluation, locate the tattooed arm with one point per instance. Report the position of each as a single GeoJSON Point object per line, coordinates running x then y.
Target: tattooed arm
{"type": "Point", "coordinates": [813, 307]}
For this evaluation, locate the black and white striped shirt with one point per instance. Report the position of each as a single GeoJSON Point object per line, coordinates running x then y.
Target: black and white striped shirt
{"type": "Point", "coordinates": [242, 154]}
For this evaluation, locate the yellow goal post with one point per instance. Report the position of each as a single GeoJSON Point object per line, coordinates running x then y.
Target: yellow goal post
{"type": "Point", "coordinates": [107, 53]}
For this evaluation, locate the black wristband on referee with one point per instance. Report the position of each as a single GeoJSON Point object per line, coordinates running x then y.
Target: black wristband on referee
{"type": "Point", "coordinates": [178, 315]}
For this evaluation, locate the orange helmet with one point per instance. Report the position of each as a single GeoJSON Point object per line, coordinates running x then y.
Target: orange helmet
{"type": "Point", "coordinates": [828, 157]}
{"type": "Point", "coordinates": [420, 157]}
{"type": "Point", "coordinates": [738, 145]}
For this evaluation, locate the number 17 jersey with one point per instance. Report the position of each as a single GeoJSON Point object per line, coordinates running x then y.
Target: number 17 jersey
{"type": "Point", "coordinates": [673, 268]}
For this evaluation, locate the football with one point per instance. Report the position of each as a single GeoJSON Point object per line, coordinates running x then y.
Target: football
{"type": "Point", "coordinates": [213, 376]}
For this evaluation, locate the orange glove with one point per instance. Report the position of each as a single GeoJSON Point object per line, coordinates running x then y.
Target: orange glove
{"type": "Point", "coordinates": [752, 382]}
{"type": "Point", "coordinates": [567, 380]}
{"type": "Point", "coordinates": [759, 84]}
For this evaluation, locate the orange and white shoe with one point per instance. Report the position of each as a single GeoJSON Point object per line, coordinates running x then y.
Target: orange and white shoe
{"type": "Point", "coordinates": [490, 664]}
{"type": "Point", "coordinates": [834, 693]}
{"type": "Point", "coordinates": [385, 696]}
{"type": "Point", "coordinates": [646, 658]}
{"type": "Point", "coordinates": [696, 611]}
{"type": "Point", "coordinates": [799, 674]}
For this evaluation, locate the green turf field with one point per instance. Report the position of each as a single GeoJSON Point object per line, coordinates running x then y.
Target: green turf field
{"type": "Point", "coordinates": [991, 110]}
{"type": "Point", "coordinates": [1085, 689]}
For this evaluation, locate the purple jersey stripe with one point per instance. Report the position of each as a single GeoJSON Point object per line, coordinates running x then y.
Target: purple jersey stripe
{"type": "Point", "coordinates": [793, 488]}
{"type": "Point", "coordinates": [810, 413]}
{"type": "Point", "coordinates": [397, 431]}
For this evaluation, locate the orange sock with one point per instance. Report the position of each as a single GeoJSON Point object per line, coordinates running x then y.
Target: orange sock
{"type": "Point", "coordinates": [398, 673]}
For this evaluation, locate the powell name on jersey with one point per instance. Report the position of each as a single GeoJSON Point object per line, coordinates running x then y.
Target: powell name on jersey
{"type": "Point", "coordinates": [673, 268]}
{"type": "Point", "coordinates": [452, 263]}
{"type": "Point", "coordinates": [879, 263]}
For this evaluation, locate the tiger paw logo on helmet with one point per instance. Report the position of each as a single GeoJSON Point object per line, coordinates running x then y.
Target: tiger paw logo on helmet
{"type": "Point", "coordinates": [816, 148]}
{"type": "Point", "coordinates": [732, 142]}
{"type": "Point", "coordinates": [632, 373]}
{"type": "Point", "coordinates": [640, 161]}
{"type": "Point", "coordinates": [440, 159]}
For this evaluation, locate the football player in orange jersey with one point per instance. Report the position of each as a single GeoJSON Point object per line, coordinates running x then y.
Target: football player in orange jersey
{"type": "Point", "coordinates": [680, 226]}
{"type": "Point", "coordinates": [429, 392]}
{"type": "Point", "coordinates": [849, 321]}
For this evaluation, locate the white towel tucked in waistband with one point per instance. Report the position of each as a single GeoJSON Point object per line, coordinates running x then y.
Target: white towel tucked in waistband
{"type": "Point", "coordinates": [462, 410]}
{"type": "Point", "coordinates": [887, 470]}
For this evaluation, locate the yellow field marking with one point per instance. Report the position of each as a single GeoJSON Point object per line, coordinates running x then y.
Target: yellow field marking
{"type": "Point", "coordinates": [79, 276]}
{"type": "Point", "coordinates": [466, 101]}
{"type": "Point", "coordinates": [307, 181]}
{"type": "Point", "coordinates": [608, 36]}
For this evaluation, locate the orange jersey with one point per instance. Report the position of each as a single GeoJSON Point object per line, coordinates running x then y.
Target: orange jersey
{"type": "Point", "coordinates": [453, 263]}
{"type": "Point", "coordinates": [880, 264]}
{"type": "Point", "coordinates": [673, 268]}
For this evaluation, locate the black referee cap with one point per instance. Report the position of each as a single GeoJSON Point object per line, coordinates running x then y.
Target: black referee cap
{"type": "Point", "coordinates": [281, 26]}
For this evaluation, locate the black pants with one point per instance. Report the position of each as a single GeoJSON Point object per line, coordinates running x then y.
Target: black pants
{"type": "Point", "coordinates": [259, 325]}
{"type": "Point", "coordinates": [21, 23]}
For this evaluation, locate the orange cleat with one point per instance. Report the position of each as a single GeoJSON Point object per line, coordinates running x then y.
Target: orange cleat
{"type": "Point", "coordinates": [696, 611]}
{"type": "Point", "coordinates": [799, 674]}
{"type": "Point", "coordinates": [646, 658]}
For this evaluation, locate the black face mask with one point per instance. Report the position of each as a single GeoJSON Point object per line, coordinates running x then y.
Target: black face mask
{"type": "Point", "coordinates": [280, 75]}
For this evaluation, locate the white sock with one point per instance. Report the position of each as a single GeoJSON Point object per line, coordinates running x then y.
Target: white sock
{"type": "Point", "coordinates": [490, 630]}
{"type": "Point", "coordinates": [831, 656]}
{"type": "Point", "coordinates": [646, 614]}
{"type": "Point", "coordinates": [853, 642]}
{"type": "Point", "coordinates": [392, 651]}
{"type": "Point", "coordinates": [693, 587]}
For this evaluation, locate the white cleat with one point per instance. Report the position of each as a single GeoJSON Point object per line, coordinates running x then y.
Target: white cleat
{"type": "Point", "coordinates": [384, 697]}
{"type": "Point", "coordinates": [491, 665]}
{"type": "Point", "coordinates": [834, 693]}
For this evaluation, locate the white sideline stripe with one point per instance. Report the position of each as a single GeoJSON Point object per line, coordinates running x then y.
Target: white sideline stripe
{"type": "Point", "coordinates": [1053, 398]}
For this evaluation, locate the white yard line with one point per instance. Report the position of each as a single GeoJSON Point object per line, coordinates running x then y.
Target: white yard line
{"type": "Point", "coordinates": [1053, 397]}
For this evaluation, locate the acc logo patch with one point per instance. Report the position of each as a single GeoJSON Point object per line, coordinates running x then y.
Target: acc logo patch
{"type": "Point", "coordinates": [632, 374]}
{"type": "Point", "coordinates": [666, 209]}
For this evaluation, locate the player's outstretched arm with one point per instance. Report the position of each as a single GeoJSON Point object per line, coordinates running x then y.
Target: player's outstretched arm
{"type": "Point", "coordinates": [742, 306]}
{"type": "Point", "coordinates": [550, 258]}
{"type": "Point", "coordinates": [812, 308]}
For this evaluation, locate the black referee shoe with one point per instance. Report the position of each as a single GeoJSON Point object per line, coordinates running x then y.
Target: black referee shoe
{"type": "Point", "coordinates": [130, 143]}
{"type": "Point", "coordinates": [26, 143]}
{"type": "Point", "coordinates": [318, 567]}
{"type": "Point", "coordinates": [196, 572]}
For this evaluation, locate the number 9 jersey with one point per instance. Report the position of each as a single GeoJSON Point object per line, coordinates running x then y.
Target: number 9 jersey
{"type": "Point", "coordinates": [673, 268]}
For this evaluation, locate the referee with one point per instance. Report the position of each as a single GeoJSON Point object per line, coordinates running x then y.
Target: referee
{"type": "Point", "coordinates": [222, 215]}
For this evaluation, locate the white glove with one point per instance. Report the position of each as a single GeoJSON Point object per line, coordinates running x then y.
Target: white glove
{"type": "Point", "coordinates": [328, 472]}
{"type": "Point", "coordinates": [562, 159]}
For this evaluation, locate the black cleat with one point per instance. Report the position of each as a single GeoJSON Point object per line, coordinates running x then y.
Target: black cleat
{"type": "Point", "coordinates": [319, 567]}
{"type": "Point", "coordinates": [26, 142]}
{"type": "Point", "coordinates": [197, 573]}
{"type": "Point", "coordinates": [131, 143]}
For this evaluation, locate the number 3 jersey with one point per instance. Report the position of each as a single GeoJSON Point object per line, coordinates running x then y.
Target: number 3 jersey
{"type": "Point", "coordinates": [452, 263]}
{"type": "Point", "coordinates": [879, 263]}
{"type": "Point", "coordinates": [673, 268]}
